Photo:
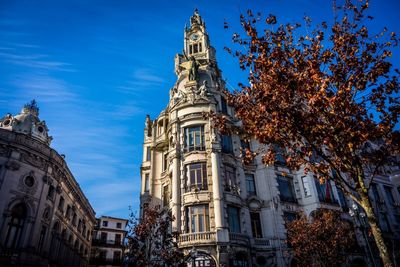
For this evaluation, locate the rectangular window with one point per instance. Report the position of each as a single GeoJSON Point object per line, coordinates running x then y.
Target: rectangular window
{"type": "Point", "coordinates": [325, 193]}
{"type": "Point", "coordinates": [42, 237]}
{"type": "Point", "coordinates": [384, 222]}
{"type": "Point", "coordinates": [61, 204]}
{"type": "Point", "coordinates": [200, 47]}
{"type": "Point", "coordinates": [146, 182]}
{"type": "Point", "coordinates": [194, 138]}
{"type": "Point", "coordinates": [74, 219]}
{"type": "Point", "coordinates": [244, 145]}
{"type": "Point", "coordinates": [250, 184]}
{"type": "Point", "coordinates": [375, 192]}
{"type": "Point", "coordinates": [196, 176]}
{"type": "Point", "coordinates": [280, 158]}
{"type": "Point", "coordinates": [103, 236]}
{"type": "Point", "coordinates": [190, 49]}
{"type": "Point", "coordinates": [389, 194]}
{"type": "Point", "coordinates": [165, 162]}
{"type": "Point", "coordinates": [68, 213]}
{"type": "Point", "coordinates": [230, 179]}
{"type": "Point", "coordinates": [79, 225]}
{"type": "Point", "coordinates": [315, 158]}
{"type": "Point", "coordinates": [197, 219]}
{"type": "Point", "coordinates": [119, 225]}
{"type": "Point", "coordinates": [117, 239]}
{"type": "Point", "coordinates": [256, 224]}
{"type": "Point", "coordinates": [166, 195]}
{"type": "Point", "coordinates": [286, 188]}
{"type": "Point", "coordinates": [234, 219]}
{"type": "Point", "coordinates": [306, 186]}
{"type": "Point", "coordinates": [224, 106]}
{"type": "Point", "coordinates": [195, 48]}
{"type": "Point", "coordinates": [105, 223]}
{"type": "Point", "coordinates": [148, 153]}
{"type": "Point", "coordinates": [51, 192]}
{"type": "Point", "coordinates": [343, 201]}
{"type": "Point", "coordinates": [227, 146]}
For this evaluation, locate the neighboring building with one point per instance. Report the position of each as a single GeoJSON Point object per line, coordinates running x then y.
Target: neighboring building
{"type": "Point", "coordinates": [46, 219]}
{"type": "Point", "coordinates": [108, 241]}
{"type": "Point", "coordinates": [227, 213]}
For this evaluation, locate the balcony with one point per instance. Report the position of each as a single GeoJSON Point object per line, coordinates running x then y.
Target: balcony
{"type": "Point", "coordinates": [104, 261]}
{"type": "Point", "coordinates": [262, 242]}
{"type": "Point", "coordinates": [107, 243]}
{"type": "Point", "coordinates": [196, 238]}
{"type": "Point", "coordinates": [237, 238]}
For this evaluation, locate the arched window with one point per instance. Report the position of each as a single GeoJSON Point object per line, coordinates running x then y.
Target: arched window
{"type": "Point", "coordinates": [16, 225]}
{"type": "Point", "coordinates": [55, 241]}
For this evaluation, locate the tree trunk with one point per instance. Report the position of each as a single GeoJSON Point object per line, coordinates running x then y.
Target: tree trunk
{"type": "Point", "coordinates": [376, 231]}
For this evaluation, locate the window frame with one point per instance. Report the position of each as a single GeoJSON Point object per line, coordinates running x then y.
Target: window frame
{"type": "Point", "coordinates": [193, 135]}
{"type": "Point", "coordinates": [289, 181]}
{"type": "Point", "coordinates": [251, 181]}
{"type": "Point", "coordinates": [202, 180]}
{"type": "Point", "coordinates": [234, 219]}
{"type": "Point", "coordinates": [306, 186]}
{"type": "Point", "coordinates": [197, 220]}
{"type": "Point", "coordinates": [256, 225]}
{"type": "Point", "coordinates": [230, 180]}
{"type": "Point", "coordinates": [226, 144]}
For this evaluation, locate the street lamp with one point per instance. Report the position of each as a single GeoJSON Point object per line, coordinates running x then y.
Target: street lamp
{"type": "Point", "coordinates": [359, 217]}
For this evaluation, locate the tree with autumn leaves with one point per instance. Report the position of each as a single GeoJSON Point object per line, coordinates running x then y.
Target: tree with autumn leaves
{"type": "Point", "coordinates": [326, 91]}
{"type": "Point", "coordinates": [150, 240]}
{"type": "Point", "coordinates": [322, 240]}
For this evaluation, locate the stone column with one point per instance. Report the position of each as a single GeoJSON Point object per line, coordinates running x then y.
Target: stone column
{"type": "Point", "coordinates": [175, 194]}
{"type": "Point", "coordinates": [216, 190]}
{"type": "Point", "coordinates": [222, 232]}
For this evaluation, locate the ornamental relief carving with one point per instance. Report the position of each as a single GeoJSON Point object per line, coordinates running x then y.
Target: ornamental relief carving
{"type": "Point", "coordinates": [22, 139]}
{"type": "Point", "coordinates": [33, 160]}
{"type": "Point", "coordinates": [28, 183]}
{"type": "Point", "coordinates": [4, 151]}
{"type": "Point", "coordinates": [13, 166]}
{"type": "Point", "coordinates": [57, 174]}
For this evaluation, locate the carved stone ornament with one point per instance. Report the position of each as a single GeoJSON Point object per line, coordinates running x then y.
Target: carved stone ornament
{"type": "Point", "coordinates": [4, 151]}
{"type": "Point", "coordinates": [13, 165]}
{"type": "Point", "coordinates": [33, 160]}
{"type": "Point", "coordinates": [28, 183]}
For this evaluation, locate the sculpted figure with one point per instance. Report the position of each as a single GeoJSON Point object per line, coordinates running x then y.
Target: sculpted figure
{"type": "Point", "coordinates": [194, 68]}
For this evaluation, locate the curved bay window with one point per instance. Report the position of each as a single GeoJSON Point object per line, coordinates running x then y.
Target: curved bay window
{"type": "Point", "coordinates": [194, 138]}
{"type": "Point", "coordinates": [15, 226]}
{"type": "Point", "coordinates": [197, 219]}
{"type": "Point", "coordinates": [196, 176]}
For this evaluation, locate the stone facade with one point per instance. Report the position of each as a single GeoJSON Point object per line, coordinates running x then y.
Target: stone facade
{"type": "Point", "coordinates": [108, 241]}
{"type": "Point", "coordinates": [228, 213]}
{"type": "Point", "coordinates": [46, 219]}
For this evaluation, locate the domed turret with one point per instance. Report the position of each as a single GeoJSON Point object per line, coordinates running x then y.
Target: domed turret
{"type": "Point", "coordinates": [27, 122]}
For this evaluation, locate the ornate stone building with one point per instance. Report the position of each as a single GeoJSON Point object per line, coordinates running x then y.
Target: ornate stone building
{"type": "Point", "coordinates": [108, 247]}
{"type": "Point", "coordinates": [45, 218]}
{"type": "Point", "coordinates": [228, 213]}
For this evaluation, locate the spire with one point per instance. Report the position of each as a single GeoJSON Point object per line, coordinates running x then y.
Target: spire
{"type": "Point", "coordinates": [196, 21]}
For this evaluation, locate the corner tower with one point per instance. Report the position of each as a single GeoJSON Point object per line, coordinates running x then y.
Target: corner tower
{"type": "Point", "coordinates": [194, 171]}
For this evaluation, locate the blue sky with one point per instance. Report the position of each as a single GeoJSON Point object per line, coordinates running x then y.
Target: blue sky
{"type": "Point", "coordinates": [97, 68]}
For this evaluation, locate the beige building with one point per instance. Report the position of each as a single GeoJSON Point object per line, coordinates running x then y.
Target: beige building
{"type": "Point", "coordinates": [227, 213]}
{"type": "Point", "coordinates": [108, 241]}
{"type": "Point", "coordinates": [46, 219]}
